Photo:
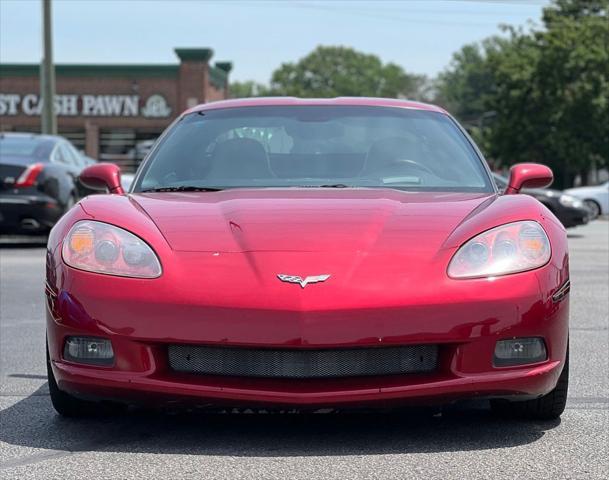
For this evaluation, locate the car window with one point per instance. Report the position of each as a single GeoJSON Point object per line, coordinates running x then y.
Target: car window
{"type": "Point", "coordinates": [67, 156]}
{"type": "Point", "coordinates": [71, 154]}
{"type": "Point", "coordinates": [25, 149]}
{"type": "Point", "coordinates": [78, 157]}
{"type": "Point", "coordinates": [316, 145]}
{"type": "Point", "coordinates": [58, 155]}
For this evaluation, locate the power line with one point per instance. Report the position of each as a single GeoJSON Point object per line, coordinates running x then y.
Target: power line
{"type": "Point", "coordinates": [378, 14]}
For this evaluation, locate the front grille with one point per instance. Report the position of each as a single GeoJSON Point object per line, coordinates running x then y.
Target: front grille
{"type": "Point", "coordinates": [295, 363]}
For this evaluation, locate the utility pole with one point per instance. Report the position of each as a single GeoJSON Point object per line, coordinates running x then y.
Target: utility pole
{"type": "Point", "coordinates": [47, 74]}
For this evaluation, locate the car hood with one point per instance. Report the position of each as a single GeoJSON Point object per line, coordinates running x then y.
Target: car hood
{"type": "Point", "coordinates": [313, 220]}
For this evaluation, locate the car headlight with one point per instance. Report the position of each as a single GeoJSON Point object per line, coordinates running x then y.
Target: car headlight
{"type": "Point", "coordinates": [511, 248]}
{"type": "Point", "coordinates": [570, 201]}
{"type": "Point", "coordinates": [102, 248]}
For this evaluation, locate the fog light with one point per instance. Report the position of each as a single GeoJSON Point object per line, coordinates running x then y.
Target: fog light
{"type": "Point", "coordinates": [95, 351]}
{"type": "Point", "coordinates": [519, 351]}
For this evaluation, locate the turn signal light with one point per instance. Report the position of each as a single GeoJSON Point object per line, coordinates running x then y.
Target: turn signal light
{"type": "Point", "coordinates": [82, 240]}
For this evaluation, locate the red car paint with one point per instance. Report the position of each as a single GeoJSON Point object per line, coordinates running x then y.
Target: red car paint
{"type": "Point", "coordinates": [102, 175]}
{"type": "Point", "coordinates": [387, 251]}
{"type": "Point", "coordinates": [542, 177]}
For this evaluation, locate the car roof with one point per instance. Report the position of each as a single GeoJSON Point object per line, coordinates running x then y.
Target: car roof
{"type": "Point", "coordinates": [295, 101]}
{"type": "Point", "coordinates": [38, 136]}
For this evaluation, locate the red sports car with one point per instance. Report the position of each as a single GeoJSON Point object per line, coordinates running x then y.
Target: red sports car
{"type": "Point", "coordinates": [305, 254]}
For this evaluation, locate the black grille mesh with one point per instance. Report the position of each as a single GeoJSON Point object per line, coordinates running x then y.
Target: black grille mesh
{"type": "Point", "coordinates": [292, 363]}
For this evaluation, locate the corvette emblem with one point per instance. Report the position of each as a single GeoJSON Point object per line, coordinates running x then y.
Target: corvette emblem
{"type": "Point", "coordinates": [302, 282]}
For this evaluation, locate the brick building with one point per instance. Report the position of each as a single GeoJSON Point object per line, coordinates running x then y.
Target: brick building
{"type": "Point", "coordinates": [113, 112]}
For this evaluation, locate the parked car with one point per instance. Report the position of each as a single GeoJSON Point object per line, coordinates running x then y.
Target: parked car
{"type": "Point", "coordinates": [127, 180]}
{"type": "Point", "coordinates": [571, 211]}
{"type": "Point", "coordinates": [596, 198]}
{"type": "Point", "coordinates": [87, 160]}
{"type": "Point", "coordinates": [38, 181]}
{"type": "Point", "coordinates": [288, 253]}
{"type": "Point", "coordinates": [143, 148]}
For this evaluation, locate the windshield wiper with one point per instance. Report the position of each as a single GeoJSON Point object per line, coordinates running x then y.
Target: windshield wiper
{"type": "Point", "coordinates": [183, 188]}
{"type": "Point", "coordinates": [331, 185]}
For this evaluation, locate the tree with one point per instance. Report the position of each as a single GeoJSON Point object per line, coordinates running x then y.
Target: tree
{"type": "Point", "coordinates": [553, 92]}
{"type": "Point", "coordinates": [466, 88]}
{"type": "Point", "coordinates": [548, 89]}
{"type": "Point", "coordinates": [247, 89]}
{"type": "Point", "coordinates": [341, 71]}
{"type": "Point", "coordinates": [573, 73]}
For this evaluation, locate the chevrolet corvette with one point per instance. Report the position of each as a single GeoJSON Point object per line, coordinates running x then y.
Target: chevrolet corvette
{"type": "Point", "coordinates": [283, 253]}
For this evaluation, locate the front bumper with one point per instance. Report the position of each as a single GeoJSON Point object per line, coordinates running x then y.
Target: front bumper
{"type": "Point", "coordinates": [572, 217]}
{"type": "Point", "coordinates": [84, 382]}
{"type": "Point", "coordinates": [466, 325]}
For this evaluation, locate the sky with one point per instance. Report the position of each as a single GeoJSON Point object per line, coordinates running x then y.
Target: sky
{"type": "Point", "coordinates": [257, 36]}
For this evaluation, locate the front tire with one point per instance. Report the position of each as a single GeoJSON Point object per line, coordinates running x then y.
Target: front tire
{"type": "Point", "coordinates": [63, 403]}
{"type": "Point", "coordinates": [594, 207]}
{"type": "Point", "coordinates": [547, 407]}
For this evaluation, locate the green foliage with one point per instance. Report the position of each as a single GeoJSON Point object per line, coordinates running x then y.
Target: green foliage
{"type": "Point", "coordinates": [342, 71]}
{"type": "Point", "coordinates": [464, 88]}
{"type": "Point", "coordinates": [545, 93]}
{"type": "Point", "coordinates": [248, 89]}
{"type": "Point", "coordinates": [540, 95]}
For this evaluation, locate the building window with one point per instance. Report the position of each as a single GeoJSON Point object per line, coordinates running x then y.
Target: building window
{"type": "Point", "coordinates": [126, 147]}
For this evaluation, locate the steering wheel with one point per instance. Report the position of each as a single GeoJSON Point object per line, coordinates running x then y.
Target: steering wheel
{"type": "Point", "coordinates": [402, 166]}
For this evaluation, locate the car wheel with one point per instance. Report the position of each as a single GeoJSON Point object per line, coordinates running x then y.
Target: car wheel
{"type": "Point", "coordinates": [594, 207]}
{"type": "Point", "coordinates": [64, 403]}
{"type": "Point", "coordinates": [547, 407]}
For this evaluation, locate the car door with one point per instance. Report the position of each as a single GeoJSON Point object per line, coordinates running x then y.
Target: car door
{"type": "Point", "coordinates": [603, 197]}
{"type": "Point", "coordinates": [63, 173]}
{"type": "Point", "coordinates": [75, 164]}
{"type": "Point", "coordinates": [81, 162]}
{"type": "Point", "coordinates": [78, 159]}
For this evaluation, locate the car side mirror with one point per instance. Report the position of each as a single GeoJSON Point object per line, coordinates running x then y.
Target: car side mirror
{"type": "Point", "coordinates": [102, 176]}
{"type": "Point", "coordinates": [528, 175]}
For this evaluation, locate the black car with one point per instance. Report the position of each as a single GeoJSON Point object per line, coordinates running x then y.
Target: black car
{"type": "Point", "coordinates": [571, 211]}
{"type": "Point", "coordinates": [38, 181]}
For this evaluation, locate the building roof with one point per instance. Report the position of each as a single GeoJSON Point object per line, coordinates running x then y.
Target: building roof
{"type": "Point", "coordinates": [194, 54]}
{"type": "Point", "coordinates": [88, 70]}
{"type": "Point", "coordinates": [295, 101]}
{"type": "Point", "coordinates": [217, 74]}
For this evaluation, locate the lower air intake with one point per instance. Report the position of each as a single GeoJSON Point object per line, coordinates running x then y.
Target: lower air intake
{"type": "Point", "coordinates": [292, 363]}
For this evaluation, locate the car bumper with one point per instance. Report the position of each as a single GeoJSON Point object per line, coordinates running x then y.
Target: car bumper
{"type": "Point", "coordinates": [84, 382]}
{"type": "Point", "coordinates": [465, 328]}
{"type": "Point", "coordinates": [572, 217]}
{"type": "Point", "coordinates": [28, 213]}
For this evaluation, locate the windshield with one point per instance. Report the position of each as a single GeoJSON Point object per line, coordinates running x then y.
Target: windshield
{"type": "Point", "coordinates": [314, 146]}
{"type": "Point", "coordinates": [24, 149]}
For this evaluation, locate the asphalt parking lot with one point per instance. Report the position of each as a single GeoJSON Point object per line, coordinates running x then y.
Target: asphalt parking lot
{"type": "Point", "coordinates": [463, 442]}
